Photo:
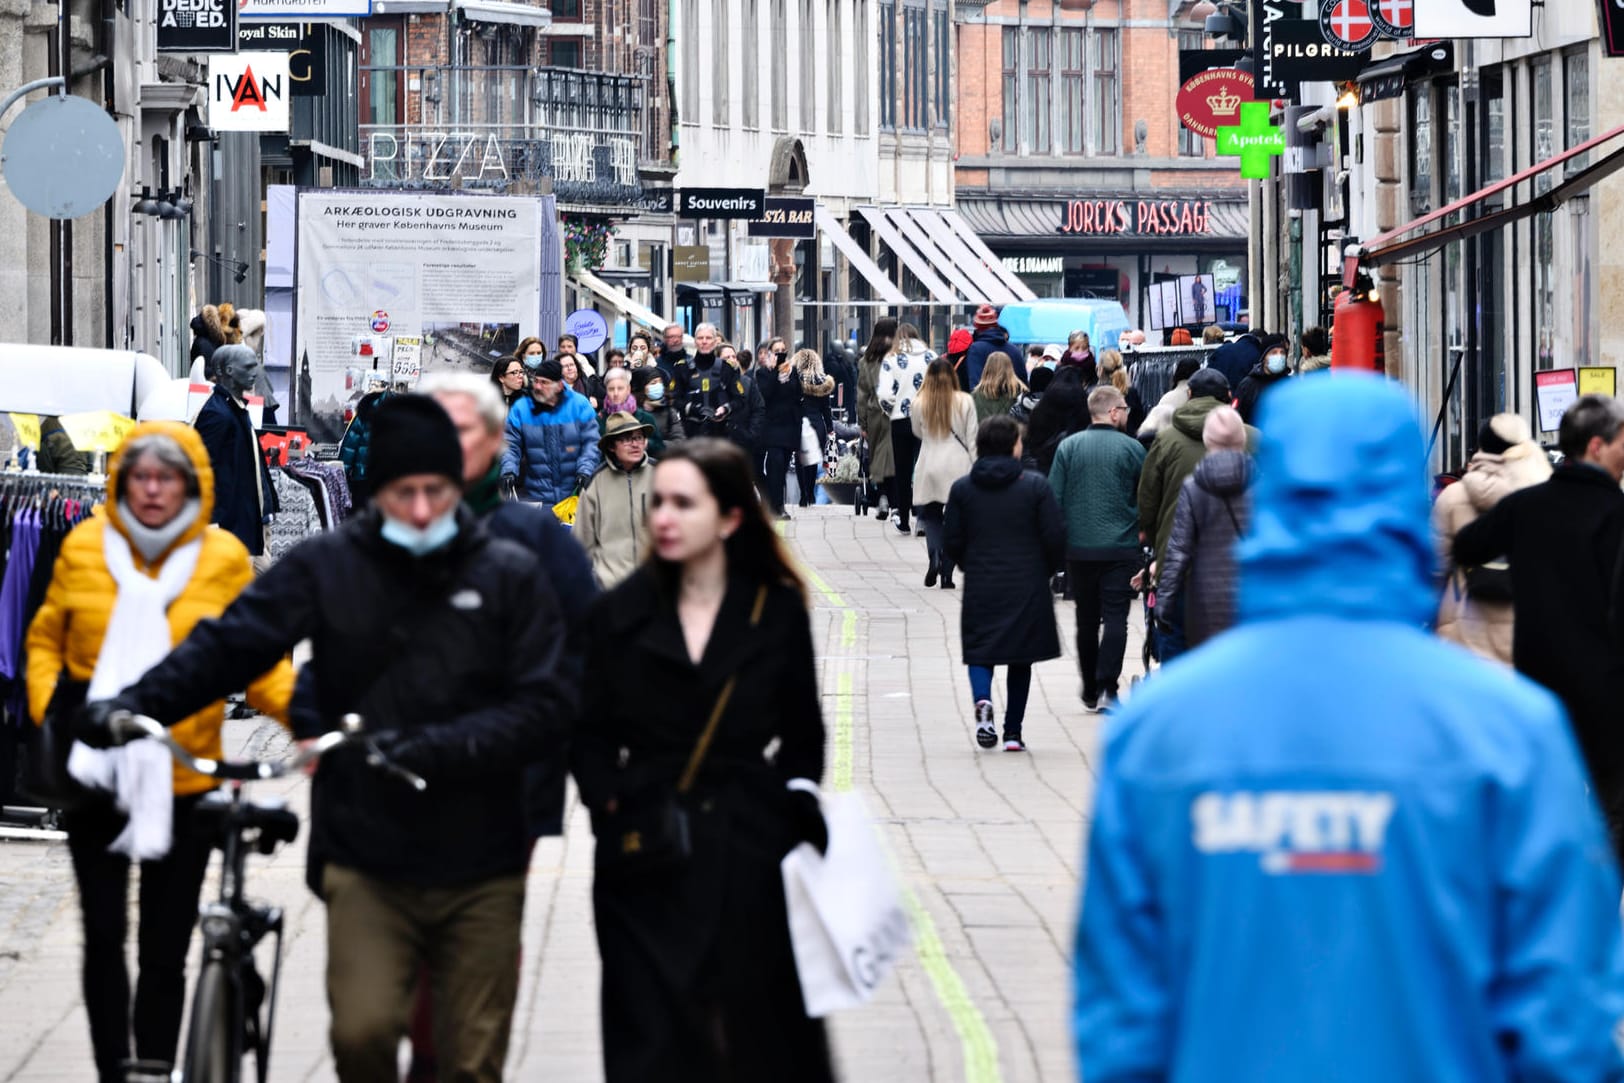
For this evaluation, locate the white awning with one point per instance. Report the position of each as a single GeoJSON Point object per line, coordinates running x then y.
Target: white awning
{"type": "Point", "coordinates": [866, 267]}
{"type": "Point", "coordinates": [959, 255]}
{"type": "Point", "coordinates": [504, 11]}
{"type": "Point", "coordinates": [946, 255]}
{"type": "Point", "coordinates": [910, 256]}
{"type": "Point", "coordinates": [620, 302]}
{"type": "Point", "coordinates": [972, 240]}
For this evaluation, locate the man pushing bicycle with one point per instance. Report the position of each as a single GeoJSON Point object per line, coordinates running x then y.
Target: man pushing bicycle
{"type": "Point", "coordinates": [448, 642]}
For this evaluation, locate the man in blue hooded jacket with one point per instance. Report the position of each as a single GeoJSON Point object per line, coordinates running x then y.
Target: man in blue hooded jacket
{"type": "Point", "coordinates": [1378, 864]}
{"type": "Point", "coordinates": [552, 439]}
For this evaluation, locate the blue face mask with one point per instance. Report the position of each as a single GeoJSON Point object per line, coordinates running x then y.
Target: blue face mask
{"type": "Point", "coordinates": [655, 392]}
{"type": "Point", "coordinates": [1275, 363]}
{"type": "Point", "coordinates": [436, 535]}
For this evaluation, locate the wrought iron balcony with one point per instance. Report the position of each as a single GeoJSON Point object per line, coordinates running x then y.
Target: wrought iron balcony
{"type": "Point", "coordinates": [506, 129]}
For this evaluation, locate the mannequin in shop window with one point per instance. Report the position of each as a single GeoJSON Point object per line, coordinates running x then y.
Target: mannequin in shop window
{"type": "Point", "coordinates": [244, 498]}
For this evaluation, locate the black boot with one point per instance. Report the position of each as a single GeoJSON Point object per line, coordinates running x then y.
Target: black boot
{"type": "Point", "coordinates": [947, 574]}
{"type": "Point", "coordinates": [934, 570]}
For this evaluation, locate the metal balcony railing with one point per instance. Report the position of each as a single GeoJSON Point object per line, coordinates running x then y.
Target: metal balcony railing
{"type": "Point", "coordinates": [504, 127]}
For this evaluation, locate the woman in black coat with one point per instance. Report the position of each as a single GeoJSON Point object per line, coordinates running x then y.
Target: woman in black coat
{"type": "Point", "coordinates": [1062, 411]}
{"type": "Point", "coordinates": [1004, 530]}
{"type": "Point", "coordinates": [699, 979]}
{"type": "Point", "coordinates": [780, 438]}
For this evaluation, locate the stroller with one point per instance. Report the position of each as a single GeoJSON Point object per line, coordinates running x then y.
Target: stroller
{"type": "Point", "coordinates": [848, 439]}
{"type": "Point", "coordinates": [1147, 586]}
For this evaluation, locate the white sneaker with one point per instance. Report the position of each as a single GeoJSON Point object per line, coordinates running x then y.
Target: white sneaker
{"type": "Point", "coordinates": [986, 731]}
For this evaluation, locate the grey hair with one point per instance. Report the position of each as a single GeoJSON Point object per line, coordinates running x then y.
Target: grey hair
{"type": "Point", "coordinates": [708, 326]}
{"type": "Point", "coordinates": [487, 400]}
{"type": "Point", "coordinates": [167, 450]}
{"type": "Point", "coordinates": [618, 373]}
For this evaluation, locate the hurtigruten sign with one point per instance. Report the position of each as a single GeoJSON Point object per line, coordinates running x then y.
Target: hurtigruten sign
{"type": "Point", "coordinates": [1188, 217]}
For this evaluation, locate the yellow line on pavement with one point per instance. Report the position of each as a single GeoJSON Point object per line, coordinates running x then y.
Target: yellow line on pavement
{"type": "Point", "coordinates": [975, 1037]}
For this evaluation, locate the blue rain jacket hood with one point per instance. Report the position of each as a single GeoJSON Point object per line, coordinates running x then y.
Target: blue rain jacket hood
{"type": "Point", "coordinates": [1378, 861]}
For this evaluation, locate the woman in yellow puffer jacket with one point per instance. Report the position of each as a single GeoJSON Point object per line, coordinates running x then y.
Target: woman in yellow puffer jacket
{"type": "Point", "coordinates": [148, 560]}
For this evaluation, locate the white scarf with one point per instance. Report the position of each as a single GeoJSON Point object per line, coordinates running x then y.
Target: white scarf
{"type": "Point", "coordinates": [139, 774]}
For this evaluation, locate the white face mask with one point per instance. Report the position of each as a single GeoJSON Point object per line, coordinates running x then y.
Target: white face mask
{"type": "Point", "coordinates": [1275, 363]}
{"type": "Point", "coordinates": [421, 542]}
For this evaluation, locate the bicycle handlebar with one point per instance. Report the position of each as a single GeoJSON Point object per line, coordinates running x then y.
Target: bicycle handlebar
{"type": "Point", "coordinates": [130, 726]}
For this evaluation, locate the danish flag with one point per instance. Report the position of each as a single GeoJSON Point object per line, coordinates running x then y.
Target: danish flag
{"type": "Point", "coordinates": [1398, 14]}
{"type": "Point", "coordinates": [1350, 20]}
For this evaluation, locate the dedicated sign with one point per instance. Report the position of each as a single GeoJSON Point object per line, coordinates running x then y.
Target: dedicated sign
{"type": "Point", "coordinates": [785, 216]}
{"type": "Point", "coordinates": [248, 92]}
{"type": "Point", "coordinates": [305, 45]}
{"type": "Point", "coordinates": [1213, 98]}
{"type": "Point", "coordinates": [197, 26]}
{"type": "Point", "coordinates": [747, 203]}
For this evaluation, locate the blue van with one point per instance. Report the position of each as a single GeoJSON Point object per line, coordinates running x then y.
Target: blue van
{"type": "Point", "coordinates": [1043, 322]}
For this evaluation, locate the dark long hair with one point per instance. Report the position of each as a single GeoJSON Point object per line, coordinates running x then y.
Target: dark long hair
{"type": "Point", "coordinates": [1063, 409]}
{"type": "Point", "coordinates": [754, 551]}
{"type": "Point", "coordinates": [885, 332]}
{"type": "Point", "coordinates": [498, 369]}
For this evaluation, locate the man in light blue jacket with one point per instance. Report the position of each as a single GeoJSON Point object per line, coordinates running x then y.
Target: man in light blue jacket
{"type": "Point", "coordinates": [552, 439]}
{"type": "Point", "coordinates": [1378, 862]}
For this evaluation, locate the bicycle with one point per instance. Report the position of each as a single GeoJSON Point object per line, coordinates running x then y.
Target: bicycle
{"type": "Point", "coordinates": [233, 1010]}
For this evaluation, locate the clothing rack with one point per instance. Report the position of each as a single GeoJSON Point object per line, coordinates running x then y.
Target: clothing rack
{"type": "Point", "coordinates": [1152, 370]}
{"type": "Point", "coordinates": [36, 513]}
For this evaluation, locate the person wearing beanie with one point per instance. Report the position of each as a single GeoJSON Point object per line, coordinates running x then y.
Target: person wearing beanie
{"type": "Point", "coordinates": [1273, 367]}
{"type": "Point", "coordinates": [958, 348]}
{"type": "Point", "coordinates": [1173, 456]}
{"type": "Point", "coordinates": [1475, 609]}
{"type": "Point", "coordinates": [552, 439]}
{"type": "Point", "coordinates": [244, 496]}
{"type": "Point", "coordinates": [451, 645]}
{"type": "Point", "coordinates": [988, 338]}
{"type": "Point", "coordinates": [1208, 521]}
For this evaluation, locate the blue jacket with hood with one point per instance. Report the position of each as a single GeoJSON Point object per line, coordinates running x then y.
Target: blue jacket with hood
{"type": "Point", "coordinates": [1380, 863]}
{"type": "Point", "coordinates": [551, 452]}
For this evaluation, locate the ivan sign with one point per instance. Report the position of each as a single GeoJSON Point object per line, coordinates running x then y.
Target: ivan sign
{"type": "Point", "coordinates": [249, 92]}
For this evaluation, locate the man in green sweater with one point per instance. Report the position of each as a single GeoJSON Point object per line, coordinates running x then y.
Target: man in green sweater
{"type": "Point", "coordinates": [1095, 477]}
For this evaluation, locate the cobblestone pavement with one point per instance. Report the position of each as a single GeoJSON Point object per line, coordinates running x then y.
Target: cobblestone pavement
{"type": "Point", "coordinates": [988, 843]}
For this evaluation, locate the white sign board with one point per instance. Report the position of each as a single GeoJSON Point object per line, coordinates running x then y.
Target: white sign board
{"type": "Point", "coordinates": [249, 92]}
{"type": "Point", "coordinates": [459, 273]}
{"type": "Point", "coordinates": [303, 9]}
{"type": "Point", "coordinates": [1474, 19]}
{"type": "Point", "coordinates": [408, 364]}
{"type": "Point", "coordinates": [1555, 390]}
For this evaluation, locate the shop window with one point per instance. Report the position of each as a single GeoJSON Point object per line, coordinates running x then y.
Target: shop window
{"type": "Point", "coordinates": [381, 102]}
{"type": "Point", "coordinates": [1544, 130]}
{"type": "Point", "coordinates": [1073, 91]}
{"type": "Point", "coordinates": [888, 66]}
{"type": "Point", "coordinates": [1012, 88]}
{"type": "Point", "coordinates": [721, 64]}
{"type": "Point", "coordinates": [1494, 97]}
{"type": "Point", "coordinates": [1543, 136]}
{"type": "Point", "coordinates": [1035, 116]}
{"type": "Point", "coordinates": [749, 57]}
{"type": "Point", "coordinates": [1452, 147]}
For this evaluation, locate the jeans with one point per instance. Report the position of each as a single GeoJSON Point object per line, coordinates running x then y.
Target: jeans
{"type": "Point", "coordinates": [774, 465]}
{"type": "Point", "coordinates": [380, 933]}
{"type": "Point", "coordinates": [1171, 643]}
{"type": "Point", "coordinates": [1103, 592]}
{"type": "Point", "coordinates": [933, 517]}
{"type": "Point", "coordinates": [1017, 685]}
{"type": "Point", "coordinates": [168, 908]}
{"type": "Point", "coordinates": [905, 450]}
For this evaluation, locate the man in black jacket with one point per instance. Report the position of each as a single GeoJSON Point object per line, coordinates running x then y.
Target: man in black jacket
{"type": "Point", "coordinates": [672, 358]}
{"type": "Point", "coordinates": [1561, 539]}
{"type": "Point", "coordinates": [707, 390]}
{"type": "Point", "coordinates": [448, 642]}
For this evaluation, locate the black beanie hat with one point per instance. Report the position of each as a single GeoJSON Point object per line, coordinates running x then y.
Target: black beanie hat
{"type": "Point", "coordinates": [411, 434]}
{"type": "Point", "coordinates": [1490, 441]}
{"type": "Point", "coordinates": [1209, 383]}
{"type": "Point", "coordinates": [550, 369]}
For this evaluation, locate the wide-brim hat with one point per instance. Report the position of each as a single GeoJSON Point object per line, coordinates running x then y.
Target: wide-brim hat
{"type": "Point", "coordinates": [619, 425]}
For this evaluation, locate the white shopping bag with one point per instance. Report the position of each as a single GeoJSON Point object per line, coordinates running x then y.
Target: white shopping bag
{"type": "Point", "coordinates": [846, 918]}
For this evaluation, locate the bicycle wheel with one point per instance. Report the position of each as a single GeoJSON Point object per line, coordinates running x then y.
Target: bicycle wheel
{"type": "Point", "coordinates": [208, 1043]}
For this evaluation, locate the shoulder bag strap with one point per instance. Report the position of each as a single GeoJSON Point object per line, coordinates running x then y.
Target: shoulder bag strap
{"type": "Point", "coordinates": [686, 782]}
{"type": "Point", "coordinates": [1234, 522]}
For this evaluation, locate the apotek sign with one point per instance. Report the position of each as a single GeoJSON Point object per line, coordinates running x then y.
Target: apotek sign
{"type": "Point", "coordinates": [1144, 217]}
{"type": "Point", "coordinates": [197, 26]}
{"type": "Point", "coordinates": [248, 92]}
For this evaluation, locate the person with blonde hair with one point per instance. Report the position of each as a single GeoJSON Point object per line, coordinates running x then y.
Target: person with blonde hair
{"type": "Point", "coordinates": [998, 389]}
{"type": "Point", "coordinates": [1213, 335]}
{"type": "Point", "coordinates": [1472, 612]}
{"type": "Point", "coordinates": [944, 422]}
{"type": "Point", "coordinates": [817, 416]}
{"type": "Point", "coordinates": [1114, 372]}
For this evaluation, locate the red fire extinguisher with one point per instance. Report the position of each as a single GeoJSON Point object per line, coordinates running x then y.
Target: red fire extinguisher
{"type": "Point", "coordinates": [1358, 339]}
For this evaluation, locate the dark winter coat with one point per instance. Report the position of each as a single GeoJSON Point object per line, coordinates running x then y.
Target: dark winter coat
{"type": "Point", "coordinates": [1237, 358]}
{"type": "Point", "coordinates": [983, 344]}
{"type": "Point", "coordinates": [57, 455]}
{"type": "Point", "coordinates": [744, 426]}
{"type": "Point", "coordinates": [875, 419]}
{"type": "Point", "coordinates": [1003, 528]}
{"type": "Point", "coordinates": [666, 419]}
{"type": "Point", "coordinates": [461, 652]}
{"type": "Point", "coordinates": [817, 408]}
{"type": "Point", "coordinates": [671, 362]}
{"type": "Point", "coordinates": [781, 409]}
{"type": "Point", "coordinates": [702, 386]}
{"type": "Point", "coordinates": [1212, 512]}
{"type": "Point", "coordinates": [1252, 388]}
{"type": "Point", "coordinates": [1562, 541]}
{"type": "Point", "coordinates": [234, 454]}
{"type": "Point", "coordinates": [356, 445]}
{"type": "Point", "coordinates": [714, 929]}
{"type": "Point", "coordinates": [1173, 457]}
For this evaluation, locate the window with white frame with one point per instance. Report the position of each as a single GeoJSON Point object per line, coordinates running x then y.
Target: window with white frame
{"type": "Point", "coordinates": [689, 75]}
{"type": "Point", "coordinates": [1576, 74]}
{"type": "Point", "coordinates": [809, 70]}
{"type": "Point", "coordinates": [780, 69]}
{"type": "Point", "coordinates": [888, 65]}
{"type": "Point", "coordinates": [750, 61]}
{"type": "Point", "coordinates": [942, 51]}
{"type": "Point", "coordinates": [1085, 99]}
{"type": "Point", "coordinates": [837, 57]}
{"type": "Point", "coordinates": [913, 65]}
{"type": "Point", "coordinates": [1107, 113]}
{"type": "Point", "coordinates": [721, 64]}
{"type": "Point", "coordinates": [859, 65]}
{"type": "Point", "coordinates": [1012, 89]}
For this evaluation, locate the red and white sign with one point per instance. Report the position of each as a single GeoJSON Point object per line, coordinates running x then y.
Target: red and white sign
{"type": "Point", "coordinates": [1347, 24]}
{"type": "Point", "coordinates": [1394, 19]}
{"type": "Point", "coordinates": [249, 92]}
{"type": "Point", "coordinates": [1212, 100]}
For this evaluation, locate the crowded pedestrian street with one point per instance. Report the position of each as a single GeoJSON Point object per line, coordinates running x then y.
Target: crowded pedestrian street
{"type": "Point", "coordinates": [988, 846]}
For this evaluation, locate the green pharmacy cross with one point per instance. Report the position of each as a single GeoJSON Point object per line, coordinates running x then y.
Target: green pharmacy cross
{"type": "Point", "coordinates": [1254, 139]}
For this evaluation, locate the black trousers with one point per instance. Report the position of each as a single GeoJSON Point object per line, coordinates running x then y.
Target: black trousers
{"type": "Point", "coordinates": [905, 449]}
{"type": "Point", "coordinates": [168, 910]}
{"type": "Point", "coordinates": [774, 467]}
{"type": "Point", "coordinates": [808, 477]}
{"type": "Point", "coordinates": [933, 517]}
{"type": "Point", "coordinates": [1104, 593]}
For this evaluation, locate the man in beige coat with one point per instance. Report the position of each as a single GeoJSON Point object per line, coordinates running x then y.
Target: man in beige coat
{"type": "Point", "coordinates": [612, 522]}
{"type": "Point", "coordinates": [1507, 459]}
